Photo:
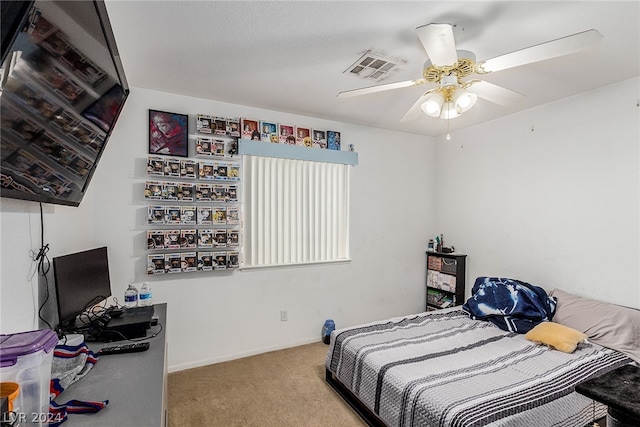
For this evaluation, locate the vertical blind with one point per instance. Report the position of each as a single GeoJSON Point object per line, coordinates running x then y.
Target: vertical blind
{"type": "Point", "coordinates": [295, 211]}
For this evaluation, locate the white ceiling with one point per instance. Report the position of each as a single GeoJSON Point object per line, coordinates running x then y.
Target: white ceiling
{"type": "Point", "coordinates": [290, 56]}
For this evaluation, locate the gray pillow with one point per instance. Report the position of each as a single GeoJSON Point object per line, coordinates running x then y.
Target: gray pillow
{"type": "Point", "coordinates": [606, 324]}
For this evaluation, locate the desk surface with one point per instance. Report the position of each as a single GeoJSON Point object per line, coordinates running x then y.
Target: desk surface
{"type": "Point", "coordinates": [618, 389]}
{"type": "Point", "coordinates": [132, 382]}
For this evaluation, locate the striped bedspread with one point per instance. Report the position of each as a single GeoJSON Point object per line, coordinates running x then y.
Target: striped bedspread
{"type": "Point", "coordinates": [444, 369]}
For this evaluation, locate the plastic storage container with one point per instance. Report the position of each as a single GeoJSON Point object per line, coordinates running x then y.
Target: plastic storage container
{"type": "Point", "coordinates": [26, 358]}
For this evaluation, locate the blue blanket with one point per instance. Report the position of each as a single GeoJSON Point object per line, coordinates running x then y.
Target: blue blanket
{"type": "Point", "coordinates": [510, 304]}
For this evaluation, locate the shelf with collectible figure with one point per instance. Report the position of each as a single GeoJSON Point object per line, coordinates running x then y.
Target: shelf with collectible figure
{"type": "Point", "coordinates": [194, 212]}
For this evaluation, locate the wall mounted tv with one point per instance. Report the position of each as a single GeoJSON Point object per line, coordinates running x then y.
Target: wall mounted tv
{"type": "Point", "coordinates": [62, 90]}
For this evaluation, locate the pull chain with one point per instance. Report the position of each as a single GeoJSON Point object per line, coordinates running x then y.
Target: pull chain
{"type": "Point", "coordinates": [448, 134]}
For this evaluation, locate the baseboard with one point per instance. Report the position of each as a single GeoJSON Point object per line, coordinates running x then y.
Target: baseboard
{"type": "Point", "coordinates": [227, 358]}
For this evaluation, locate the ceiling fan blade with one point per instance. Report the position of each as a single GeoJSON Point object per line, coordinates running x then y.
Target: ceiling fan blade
{"type": "Point", "coordinates": [552, 49]}
{"type": "Point", "coordinates": [415, 112]}
{"type": "Point", "coordinates": [380, 88]}
{"type": "Point", "coordinates": [494, 93]}
{"type": "Point", "coordinates": [439, 43]}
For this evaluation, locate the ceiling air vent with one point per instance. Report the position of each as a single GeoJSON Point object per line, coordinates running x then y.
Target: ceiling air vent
{"type": "Point", "coordinates": [373, 66]}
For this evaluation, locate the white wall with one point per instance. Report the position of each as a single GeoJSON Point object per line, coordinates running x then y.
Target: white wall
{"type": "Point", "coordinates": [550, 195]}
{"type": "Point", "coordinates": [557, 206]}
{"type": "Point", "coordinates": [219, 316]}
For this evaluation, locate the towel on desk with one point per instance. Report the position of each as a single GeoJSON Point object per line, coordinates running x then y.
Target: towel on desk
{"type": "Point", "coordinates": [70, 364]}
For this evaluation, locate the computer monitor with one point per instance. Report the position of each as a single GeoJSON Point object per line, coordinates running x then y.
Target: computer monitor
{"type": "Point", "coordinates": [82, 280]}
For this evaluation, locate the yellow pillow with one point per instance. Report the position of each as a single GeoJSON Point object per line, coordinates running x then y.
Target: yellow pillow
{"type": "Point", "coordinates": [556, 335]}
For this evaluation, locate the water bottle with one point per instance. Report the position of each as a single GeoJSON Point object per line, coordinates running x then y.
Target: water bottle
{"type": "Point", "coordinates": [329, 326]}
{"type": "Point", "coordinates": [131, 296]}
{"type": "Point", "coordinates": [146, 297]}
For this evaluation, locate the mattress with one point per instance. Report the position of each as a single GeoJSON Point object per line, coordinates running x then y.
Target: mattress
{"type": "Point", "coordinates": [444, 369]}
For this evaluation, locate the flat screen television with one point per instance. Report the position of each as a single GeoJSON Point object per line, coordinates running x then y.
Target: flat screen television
{"type": "Point", "coordinates": [81, 281]}
{"type": "Point", "coordinates": [62, 90]}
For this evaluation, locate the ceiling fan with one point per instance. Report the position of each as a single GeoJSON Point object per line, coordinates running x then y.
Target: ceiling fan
{"type": "Point", "coordinates": [448, 69]}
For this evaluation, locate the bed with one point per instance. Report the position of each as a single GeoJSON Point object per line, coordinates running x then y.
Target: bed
{"type": "Point", "coordinates": [444, 368]}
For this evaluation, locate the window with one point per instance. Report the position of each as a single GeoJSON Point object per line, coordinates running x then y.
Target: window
{"type": "Point", "coordinates": [295, 211]}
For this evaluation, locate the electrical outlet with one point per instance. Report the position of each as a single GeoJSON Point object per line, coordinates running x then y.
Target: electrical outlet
{"type": "Point", "coordinates": [284, 315]}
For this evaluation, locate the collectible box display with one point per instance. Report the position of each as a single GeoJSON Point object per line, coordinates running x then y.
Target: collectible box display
{"type": "Point", "coordinates": [233, 259]}
{"type": "Point", "coordinates": [203, 123]}
{"type": "Point", "coordinates": [188, 169]}
{"type": "Point", "coordinates": [170, 191]}
{"type": "Point", "coordinates": [173, 262]}
{"type": "Point", "coordinates": [203, 146]}
{"type": "Point", "coordinates": [188, 215]}
{"type": "Point", "coordinates": [319, 138]}
{"type": "Point", "coordinates": [172, 168]}
{"type": "Point", "coordinates": [205, 238]}
{"type": "Point", "coordinates": [219, 214]}
{"type": "Point", "coordinates": [155, 215]}
{"type": "Point", "coordinates": [233, 171]}
{"type": "Point", "coordinates": [233, 127]}
{"type": "Point", "coordinates": [206, 169]}
{"type": "Point", "coordinates": [218, 147]}
{"type": "Point", "coordinates": [186, 191]}
{"type": "Point", "coordinates": [155, 166]}
{"type": "Point", "coordinates": [231, 193]}
{"type": "Point", "coordinates": [172, 239]}
{"type": "Point", "coordinates": [220, 126]}
{"type": "Point", "coordinates": [233, 238]}
{"type": "Point", "coordinates": [205, 216]}
{"type": "Point", "coordinates": [189, 261]}
{"type": "Point", "coordinates": [205, 261]}
{"type": "Point", "coordinates": [188, 239]}
{"type": "Point", "coordinates": [220, 260]}
{"type": "Point", "coordinates": [333, 140]}
{"type": "Point", "coordinates": [233, 215]}
{"type": "Point", "coordinates": [219, 193]}
{"type": "Point", "coordinates": [172, 215]}
{"type": "Point", "coordinates": [203, 192]}
{"type": "Point", "coordinates": [155, 239]}
{"type": "Point", "coordinates": [269, 132]}
{"type": "Point", "coordinates": [250, 129]}
{"type": "Point", "coordinates": [303, 136]}
{"type": "Point", "coordinates": [219, 238]}
{"type": "Point", "coordinates": [286, 134]}
{"type": "Point", "coordinates": [153, 190]}
{"type": "Point", "coordinates": [155, 264]}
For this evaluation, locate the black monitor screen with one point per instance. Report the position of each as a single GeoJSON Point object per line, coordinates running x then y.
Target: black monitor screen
{"type": "Point", "coordinates": [82, 280]}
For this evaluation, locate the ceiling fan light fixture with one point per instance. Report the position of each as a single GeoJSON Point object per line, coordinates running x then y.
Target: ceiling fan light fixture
{"type": "Point", "coordinates": [463, 100]}
{"type": "Point", "coordinates": [449, 111]}
{"type": "Point", "coordinates": [433, 104]}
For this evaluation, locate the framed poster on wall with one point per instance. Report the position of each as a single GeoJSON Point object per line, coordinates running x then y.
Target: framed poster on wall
{"type": "Point", "coordinates": [168, 133]}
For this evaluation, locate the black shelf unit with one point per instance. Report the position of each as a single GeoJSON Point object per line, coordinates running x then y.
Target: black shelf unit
{"type": "Point", "coordinates": [445, 280]}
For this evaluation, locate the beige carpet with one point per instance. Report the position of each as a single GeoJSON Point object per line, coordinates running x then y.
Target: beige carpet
{"type": "Point", "coordinates": [280, 388]}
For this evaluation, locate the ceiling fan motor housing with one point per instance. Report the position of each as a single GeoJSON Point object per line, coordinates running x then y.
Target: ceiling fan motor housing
{"type": "Point", "coordinates": [465, 66]}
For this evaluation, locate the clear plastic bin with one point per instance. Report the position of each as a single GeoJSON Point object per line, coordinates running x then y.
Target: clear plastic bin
{"type": "Point", "coordinates": [26, 358]}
